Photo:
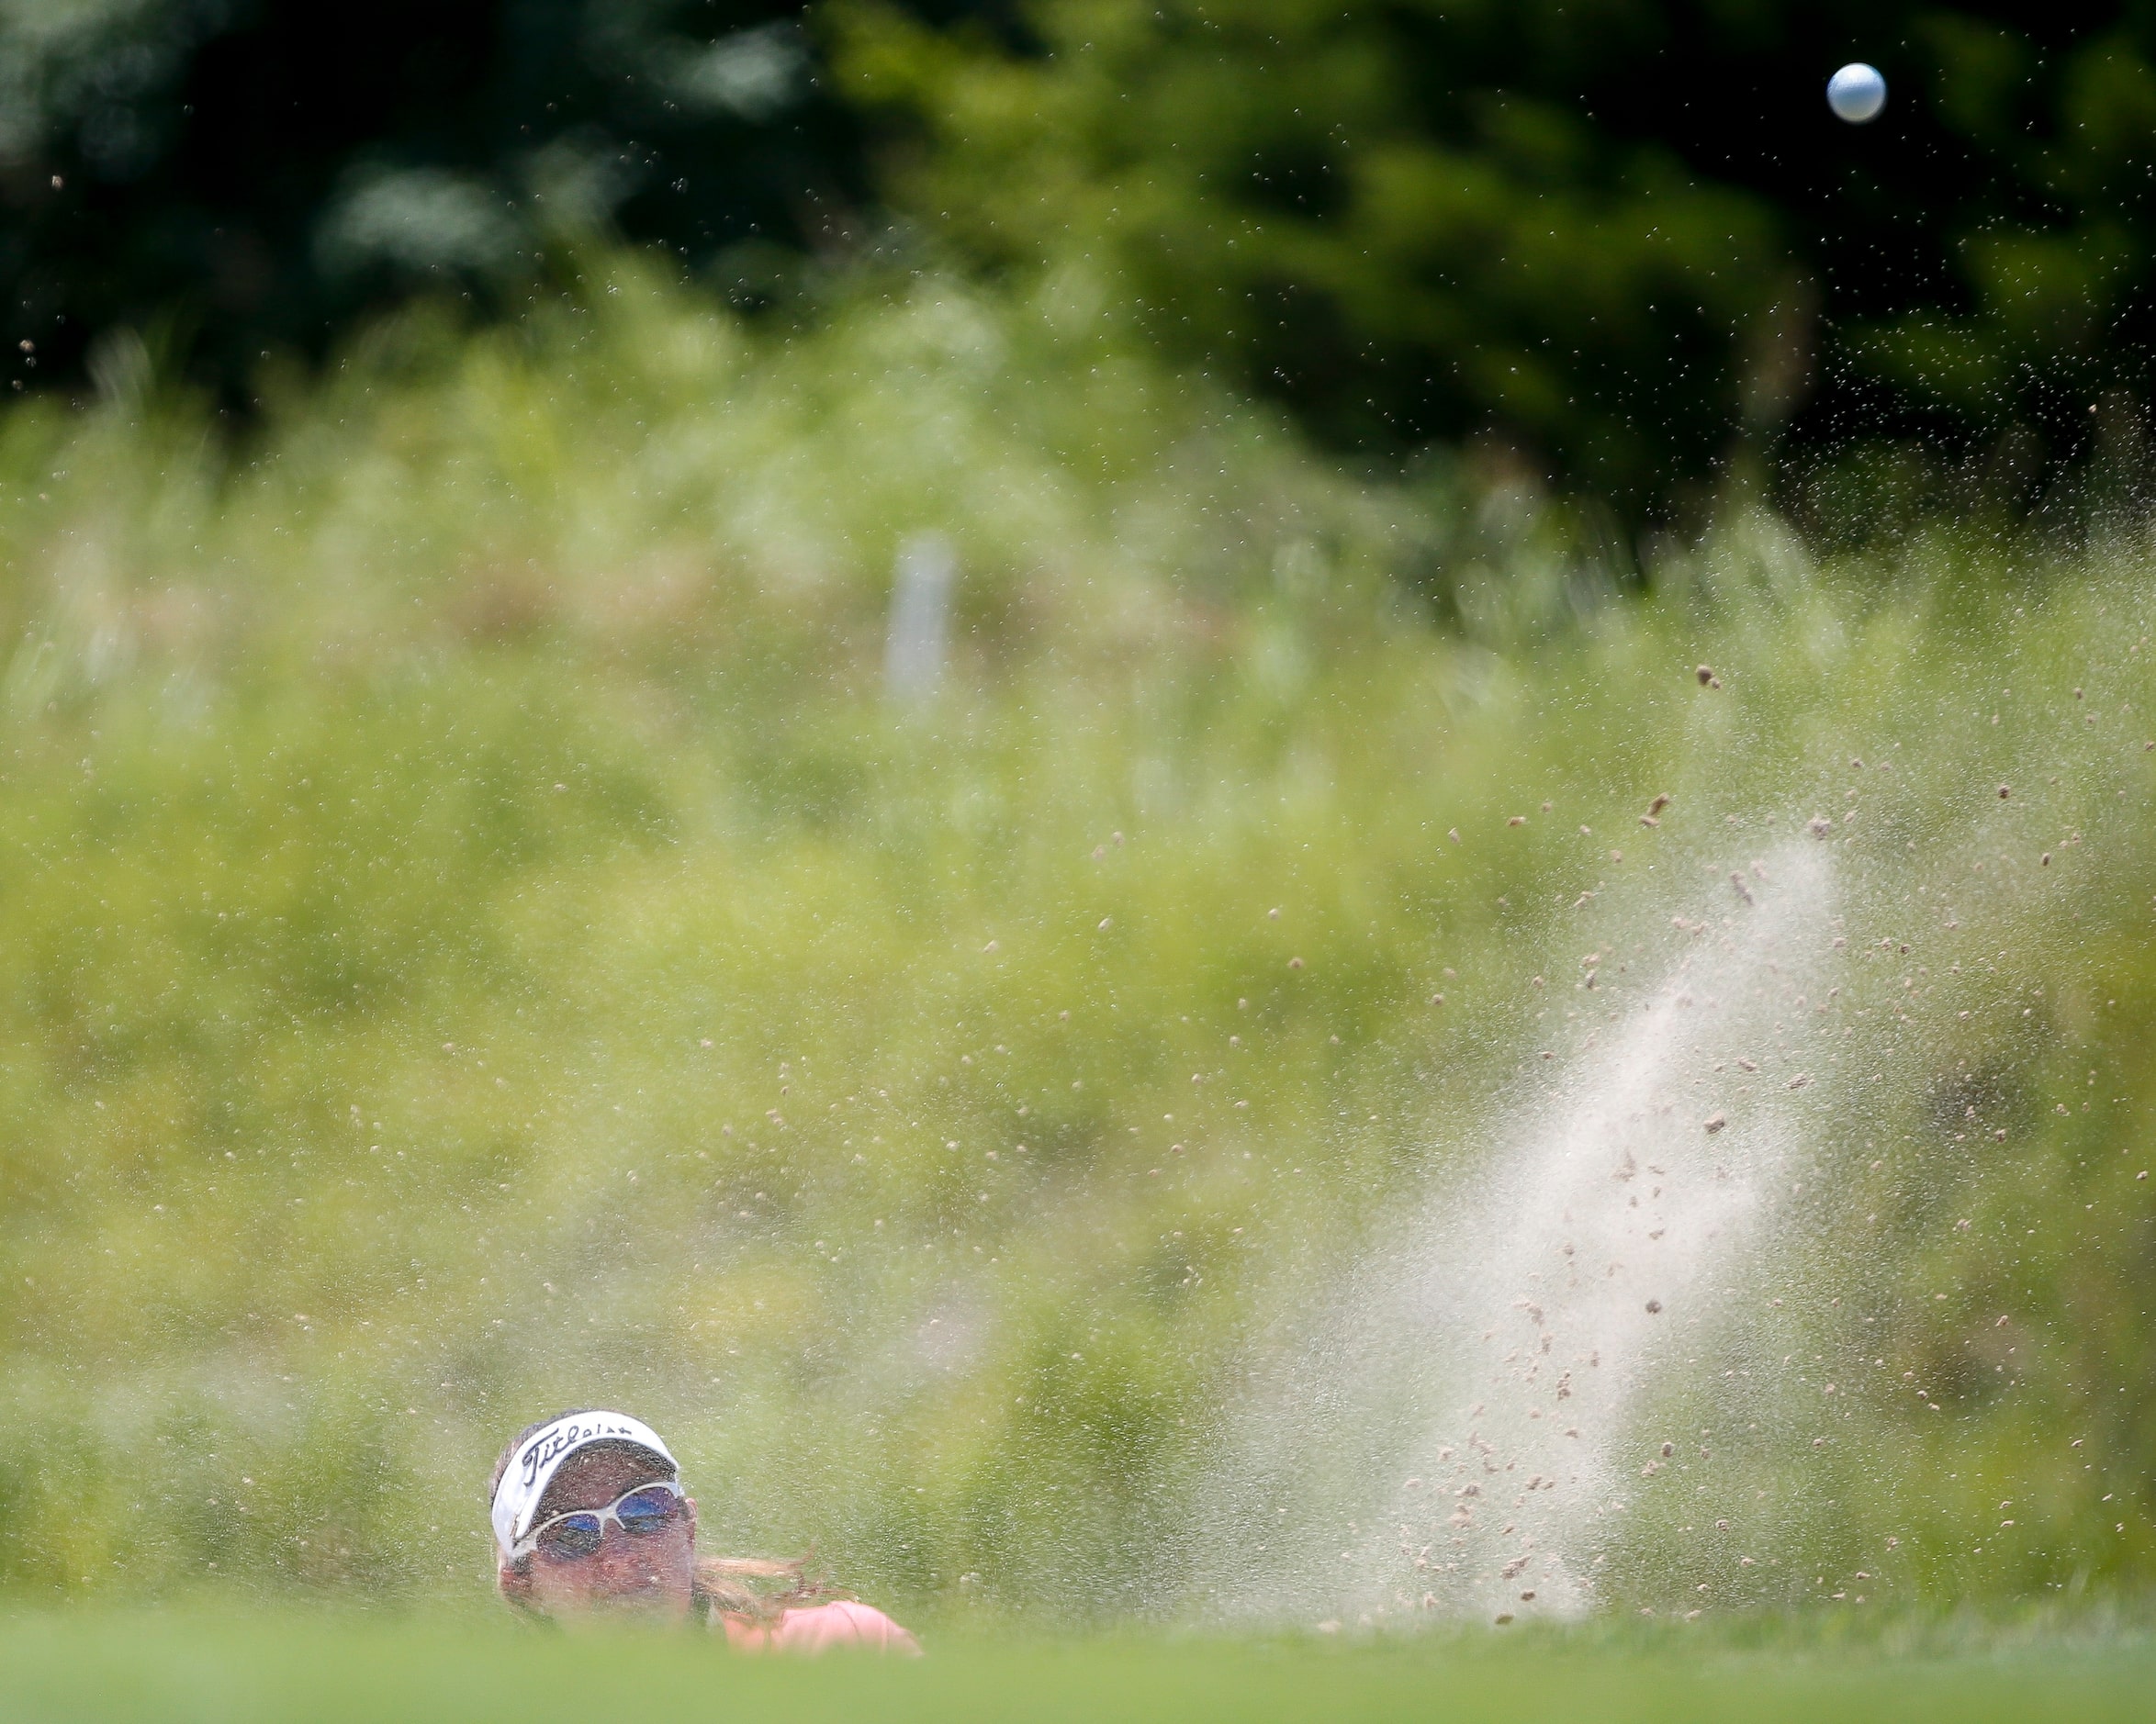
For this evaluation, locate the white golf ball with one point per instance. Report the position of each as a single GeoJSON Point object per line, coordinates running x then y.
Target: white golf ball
{"type": "Point", "coordinates": [1857, 92]}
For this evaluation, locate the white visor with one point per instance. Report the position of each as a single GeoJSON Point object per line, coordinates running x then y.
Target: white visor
{"type": "Point", "coordinates": [539, 1457]}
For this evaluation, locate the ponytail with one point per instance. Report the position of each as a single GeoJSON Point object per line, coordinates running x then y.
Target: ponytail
{"type": "Point", "coordinates": [756, 1590]}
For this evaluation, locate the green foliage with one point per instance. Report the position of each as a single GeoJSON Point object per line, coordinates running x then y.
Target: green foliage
{"type": "Point", "coordinates": [481, 941]}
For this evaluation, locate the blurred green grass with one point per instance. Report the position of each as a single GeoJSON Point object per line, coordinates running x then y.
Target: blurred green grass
{"type": "Point", "coordinates": [480, 941]}
{"type": "Point", "coordinates": [111, 1669]}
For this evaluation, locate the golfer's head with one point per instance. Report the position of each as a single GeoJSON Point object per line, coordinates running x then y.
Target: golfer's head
{"type": "Point", "coordinates": [590, 1520]}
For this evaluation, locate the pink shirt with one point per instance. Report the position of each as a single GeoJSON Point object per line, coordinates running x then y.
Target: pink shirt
{"type": "Point", "coordinates": [814, 1629]}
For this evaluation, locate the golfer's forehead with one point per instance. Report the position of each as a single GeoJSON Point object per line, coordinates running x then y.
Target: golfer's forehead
{"type": "Point", "coordinates": [593, 1477]}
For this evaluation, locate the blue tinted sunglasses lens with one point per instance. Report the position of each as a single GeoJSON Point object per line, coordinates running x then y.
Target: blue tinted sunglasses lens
{"type": "Point", "coordinates": [647, 1511]}
{"type": "Point", "coordinates": [575, 1535]}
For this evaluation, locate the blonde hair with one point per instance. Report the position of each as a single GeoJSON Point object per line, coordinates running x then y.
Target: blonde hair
{"type": "Point", "coordinates": [757, 1589]}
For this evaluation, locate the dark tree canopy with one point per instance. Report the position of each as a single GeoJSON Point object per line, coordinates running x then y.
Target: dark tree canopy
{"type": "Point", "coordinates": [265, 170]}
{"type": "Point", "coordinates": [1624, 236]}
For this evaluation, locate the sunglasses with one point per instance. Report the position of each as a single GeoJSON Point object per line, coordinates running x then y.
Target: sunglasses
{"type": "Point", "coordinates": [641, 1513]}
